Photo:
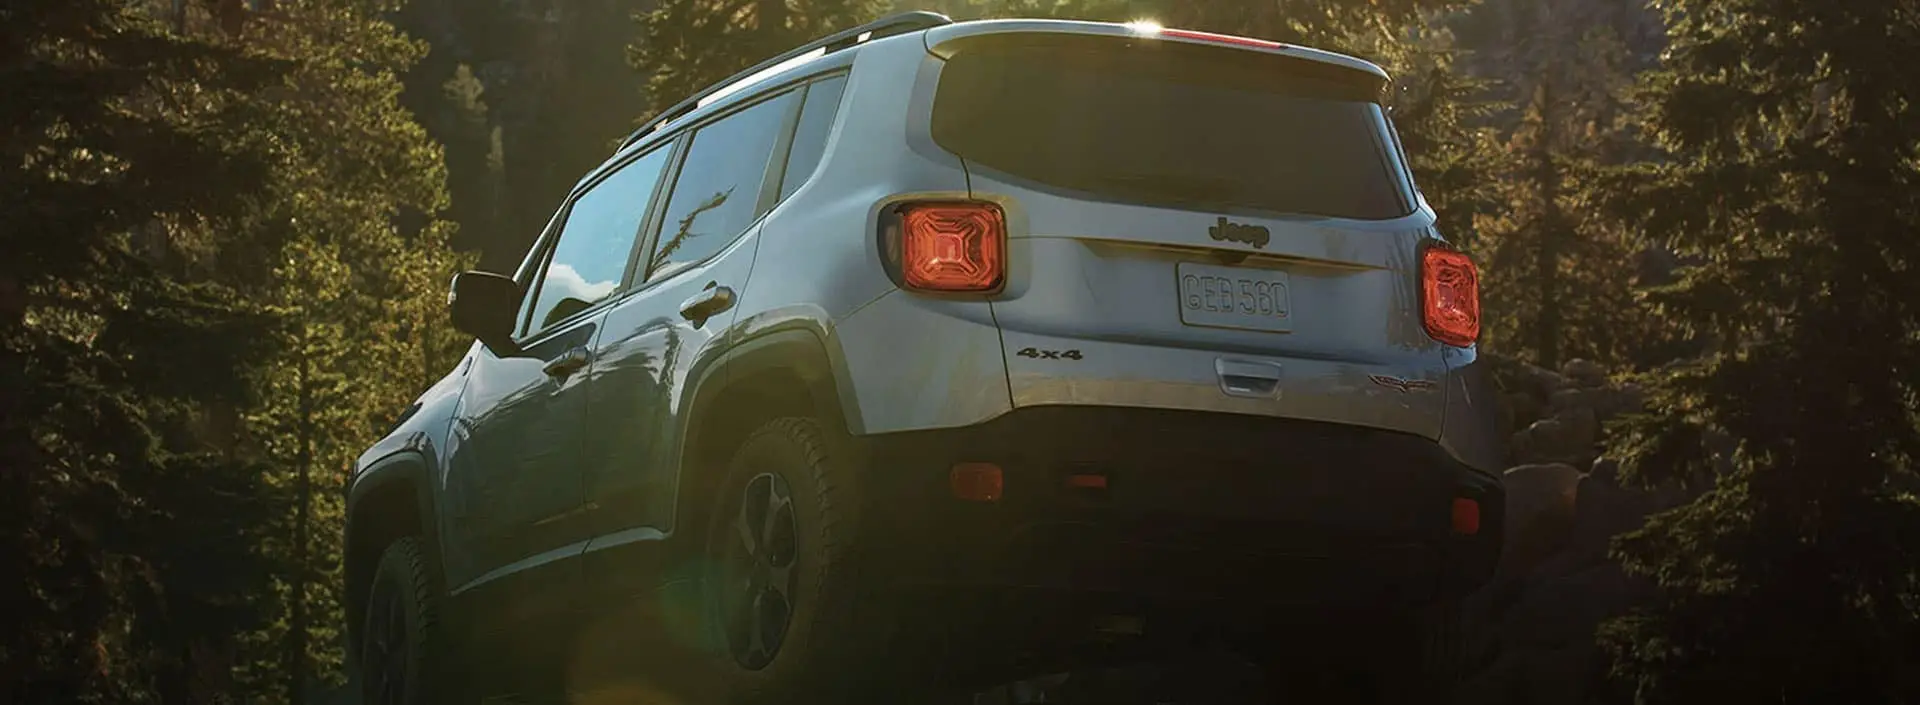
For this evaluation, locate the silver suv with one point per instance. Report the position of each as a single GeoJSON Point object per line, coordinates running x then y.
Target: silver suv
{"type": "Point", "coordinates": [934, 353]}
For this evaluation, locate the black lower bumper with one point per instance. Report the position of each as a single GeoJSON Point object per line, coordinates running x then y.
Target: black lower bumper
{"type": "Point", "coordinates": [1222, 508]}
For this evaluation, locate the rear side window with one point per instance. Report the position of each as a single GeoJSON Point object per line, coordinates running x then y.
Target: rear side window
{"type": "Point", "coordinates": [810, 138]}
{"type": "Point", "coordinates": [1163, 124]}
{"type": "Point", "coordinates": [717, 193]}
{"type": "Point", "coordinates": [586, 264]}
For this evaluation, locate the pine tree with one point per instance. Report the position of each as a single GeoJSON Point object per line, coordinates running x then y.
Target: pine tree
{"type": "Point", "coordinates": [1096, 10]}
{"type": "Point", "coordinates": [1791, 182]}
{"type": "Point", "coordinates": [1563, 275]}
{"type": "Point", "coordinates": [355, 201]}
{"type": "Point", "coordinates": [685, 45]}
{"type": "Point", "coordinates": [125, 510]}
{"type": "Point", "coordinates": [1440, 111]}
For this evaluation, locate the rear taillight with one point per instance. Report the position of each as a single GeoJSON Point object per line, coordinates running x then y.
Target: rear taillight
{"type": "Point", "coordinates": [947, 246]}
{"type": "Point", "coordinates": [1449, 296]}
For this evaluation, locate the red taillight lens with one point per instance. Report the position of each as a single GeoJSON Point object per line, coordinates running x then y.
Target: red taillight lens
{"type": "Point", "coordinates": [1450, 296]}
{"type": "Point", "coordinates": [952, 247]}
{"type": "Point", "coordinates": [1222, 38]}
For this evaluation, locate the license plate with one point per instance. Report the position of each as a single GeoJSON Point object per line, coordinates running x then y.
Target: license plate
{"type": "Point", "coordinates": [1234, 297]}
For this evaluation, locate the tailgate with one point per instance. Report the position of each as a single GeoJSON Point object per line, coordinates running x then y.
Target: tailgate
{"type": "Point", "coordinates": [1196, 227]}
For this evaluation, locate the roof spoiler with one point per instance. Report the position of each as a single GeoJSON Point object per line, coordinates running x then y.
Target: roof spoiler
{"type": "Point", "coordinates": [890, 25]}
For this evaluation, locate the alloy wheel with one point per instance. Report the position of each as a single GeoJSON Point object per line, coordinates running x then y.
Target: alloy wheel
{"type": "Point", "coordinates": [757, 579]}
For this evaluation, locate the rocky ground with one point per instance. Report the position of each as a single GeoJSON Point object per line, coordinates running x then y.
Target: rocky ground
{"type": "Point", "coordinates": [1532, 629]}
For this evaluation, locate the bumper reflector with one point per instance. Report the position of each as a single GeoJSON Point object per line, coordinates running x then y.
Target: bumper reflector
{"type": "Point", "coordinates": [1466, 517]}
{"type": "Point", "coordinates": [1087, 481]}
{"type": "Point", "coordinates": [977, 482]}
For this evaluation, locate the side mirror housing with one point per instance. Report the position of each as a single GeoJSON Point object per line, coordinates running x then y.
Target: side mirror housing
{"type": "Point", "coordinates": [483, 305]}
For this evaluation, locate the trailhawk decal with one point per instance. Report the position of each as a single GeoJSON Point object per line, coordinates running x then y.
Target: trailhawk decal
{"type": "Point", "coordinates": [1402, 386]}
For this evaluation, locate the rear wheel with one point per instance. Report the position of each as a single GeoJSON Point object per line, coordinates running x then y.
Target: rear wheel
{"type": "Point", "coordinates": [781, 581]}
{"type": "Point", "coordinates": [400, 642]}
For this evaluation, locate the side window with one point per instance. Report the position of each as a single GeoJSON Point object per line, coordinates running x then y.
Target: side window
{"type": "Point", "coordinates": [810, 138]}
{"type": "Point", "coordinates": [715, 196]}
{"type": "Point", "coordinates": [587, 262]}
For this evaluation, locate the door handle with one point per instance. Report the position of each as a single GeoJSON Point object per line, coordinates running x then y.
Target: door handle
{"type": "Point", "coordinates": [704, 305]}
{"type": "Point", "coordinates": [573, 360]}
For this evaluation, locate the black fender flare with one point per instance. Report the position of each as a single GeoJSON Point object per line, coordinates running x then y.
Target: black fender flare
{"type": "Point", "coordinates": [401, 467]}
{"type": "Point", "coordinates": [800, 349]}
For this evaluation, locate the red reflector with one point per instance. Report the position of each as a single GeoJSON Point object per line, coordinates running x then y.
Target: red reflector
{"type": "Point", "coordinates": [1222, 38]}
{"type": "Point", "coordinates": [953, 247]}
{"type": "Point", "coordinates": [1087, 481]}
{"type": "Point", "coordinates": [1450, 296]}
{"type": "Point", "coordinates": [1466, 517]}
{"type": "Point", "coordinates": [977, 482]}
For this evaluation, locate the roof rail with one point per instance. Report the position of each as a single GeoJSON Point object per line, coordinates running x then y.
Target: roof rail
{"type": "Point", "coordinates": [901, 23]}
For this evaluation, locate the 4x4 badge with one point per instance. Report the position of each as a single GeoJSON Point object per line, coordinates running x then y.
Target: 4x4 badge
{"type": "Point", "coordinates": [1401, 385]}
{"type": "Point", "coordinates": [1255, 235]}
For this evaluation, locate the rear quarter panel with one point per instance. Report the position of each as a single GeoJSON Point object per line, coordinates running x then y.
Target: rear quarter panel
{"type": "Point", "coordinates": [902, 362]}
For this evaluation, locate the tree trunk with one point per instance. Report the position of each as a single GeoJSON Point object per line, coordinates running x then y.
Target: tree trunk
{"type": "Point", "coordinates": [297, 629]}
{"type": "Point", "coordinates": [1546, 176]}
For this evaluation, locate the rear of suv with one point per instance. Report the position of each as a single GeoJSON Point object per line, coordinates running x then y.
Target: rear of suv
{"type": "Point", "coordinates": [938, 353]}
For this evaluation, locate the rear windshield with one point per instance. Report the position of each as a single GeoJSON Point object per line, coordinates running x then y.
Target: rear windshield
{"type": "Point", "coordinates": [1160, 123]}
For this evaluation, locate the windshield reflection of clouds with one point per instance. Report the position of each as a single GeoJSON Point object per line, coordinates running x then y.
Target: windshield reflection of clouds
{"type": "Point", "coordinates": [568, 284]}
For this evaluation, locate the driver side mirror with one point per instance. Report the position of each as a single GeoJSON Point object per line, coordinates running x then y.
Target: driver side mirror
{"type": "Point", "coordinates": [483, 305]}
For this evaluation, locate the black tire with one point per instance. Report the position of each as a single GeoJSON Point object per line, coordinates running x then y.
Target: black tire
{"type": "Point", "coordinates": [400, 639]}
{"type": "Point", "coordinates": [782, 581]}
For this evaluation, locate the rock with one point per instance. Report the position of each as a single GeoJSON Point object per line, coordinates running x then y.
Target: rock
{"type": "Point", "coordinates": [1514, 376]}
{"type": "Point", "coordinates": [1533, 488]}
{"type": "Point", "coordinates": [1561, 675]}
{"type": "Point", "coordinates": [1520, 447]}
{"type": "Point", "coordinates": [1582, 427]}
{"type": "Point", "coordinates": [1563, 438]}
{"type": "Point", "coordinates": [1572, 397]}
{"type": "Point", "coordinates": [1545, 382]}
{"type": "Point", "coordinates": [1572, 559]}
{"type": "Point", "coordinates": [1499, 684]}
{"type": "Point", "coordinates": [1522, 409]}
{"type": "Point", "coordinates": [1565, 610]}
{"type": "Point", "coordinates": [1539, 514]}
{"type": "Point", "coordinates": [1605, 469]}
{"type": "Point", "coordinates": [1605, 509]}
{"type": "Point", "coordinates": [1539, 442]}
{"type": "Point", "coordinates": [1585, 373]}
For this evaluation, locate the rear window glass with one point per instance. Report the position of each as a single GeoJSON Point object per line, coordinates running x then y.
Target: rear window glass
{"type": "Point", "coordinates": [1151, 124]}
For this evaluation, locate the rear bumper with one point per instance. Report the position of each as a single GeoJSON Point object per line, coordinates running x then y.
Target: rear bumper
{"type": "Point", "coordinates": [1242, 510]}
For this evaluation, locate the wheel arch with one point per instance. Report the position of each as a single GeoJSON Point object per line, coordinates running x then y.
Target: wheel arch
{"type": "Point", "coordinates": [389, 500]}
{"type": "Point", "coordinates": [787, 372]}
